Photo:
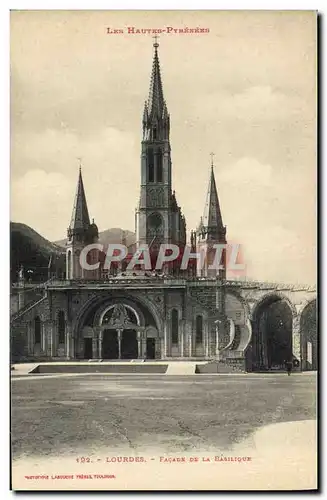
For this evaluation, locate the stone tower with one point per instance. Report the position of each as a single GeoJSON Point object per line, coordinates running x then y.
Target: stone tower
{"type": "Point", "coordinates": [80, 233]}
{"type": "Point", "coordinates": [158, 216]}
{"type": "Point", "coordinates": [211, 231]}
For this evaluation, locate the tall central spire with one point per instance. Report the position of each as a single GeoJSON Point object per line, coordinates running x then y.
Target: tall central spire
{"type": "Point", "coordinates": [158, 216]}
{"type": "Point", "coordinates": [156, 102]}
{"type": "Point", "coordinates": [156, 120]}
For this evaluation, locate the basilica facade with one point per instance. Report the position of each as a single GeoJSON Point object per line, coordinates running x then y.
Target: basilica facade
{"type": "Point", "coordinates": [194, 314]}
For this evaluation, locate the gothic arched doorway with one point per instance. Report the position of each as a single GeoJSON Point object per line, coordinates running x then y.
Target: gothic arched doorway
{"type": "Point", "coordinates": [272, 334]}
{"type": "Point", "coordinates": [120, 323]}
{"type": "Point", "coordinates": [309, 338]}
{"type": "Point", "coordinates": [129, 344]}
{"type": "Point", "coordinates": [110, 344]}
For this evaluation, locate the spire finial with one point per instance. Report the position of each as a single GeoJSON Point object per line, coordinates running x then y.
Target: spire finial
{"type": "Point", "coordinates": [156, 44]}
{"type": "Point", "coordinates": [80, 163]}
{"type": "Point", "coordinates": [212, 155]}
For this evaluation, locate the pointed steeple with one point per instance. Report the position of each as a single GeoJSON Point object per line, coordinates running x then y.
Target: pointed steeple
{"type": "Point", "coordinates": [212, 214]}
{"type": "Point", "coordinates": [212, 222]}
{"type": "Point", "coordinates": [156, 100]}
{"type": "Point", "coordinates": [80, 217]}
{"type": "Point", "coordinates": [156, 120]}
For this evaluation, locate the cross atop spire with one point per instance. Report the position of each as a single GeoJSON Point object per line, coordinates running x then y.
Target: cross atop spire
{"type": "Point", "coordinates": [156, 44]}
{"type": "Point", "coordinates": [80, 163]}
{"type": "Point", "coordinates": [212, 155]}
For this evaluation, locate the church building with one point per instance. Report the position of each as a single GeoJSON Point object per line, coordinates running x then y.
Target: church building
{"type": "Point", "coordinates": [117, 314]}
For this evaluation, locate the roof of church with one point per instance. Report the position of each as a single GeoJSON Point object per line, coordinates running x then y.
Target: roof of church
{"type": "Point", "coordinates": [156, 102]}
{"type": "Point", "coordinates": [80, 216]}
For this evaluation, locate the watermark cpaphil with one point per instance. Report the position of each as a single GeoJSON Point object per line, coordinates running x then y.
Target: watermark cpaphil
{"type": "Point", "coordinates": [217, 257]}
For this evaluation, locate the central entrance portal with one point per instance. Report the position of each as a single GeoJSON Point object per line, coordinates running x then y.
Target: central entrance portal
{"type": "Point", "coordinates": [88, 352]}
{"type": "Point", "coordinates": [110, 344]}
{"type": "Point", "coordinates": [151, 348]}
{"type": "Point", "coordinates": [129, 344]}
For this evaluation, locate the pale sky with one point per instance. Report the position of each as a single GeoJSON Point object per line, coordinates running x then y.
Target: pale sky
{"type": "Point", "coordinates": [246, 91]}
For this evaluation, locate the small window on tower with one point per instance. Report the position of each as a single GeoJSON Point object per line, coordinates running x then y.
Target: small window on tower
{"type": "Point", "coordinates": [150, 165]}
{"type": "Point", "coordinates": [159, 169]}
{"type": "Point", "coordinates": [154, 134]}
{"type": "Point", "coordinates": [151, 172]}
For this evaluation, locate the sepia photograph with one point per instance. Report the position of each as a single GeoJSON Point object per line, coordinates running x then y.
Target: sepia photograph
{"type": "Point", "coordinates": [163, 250]}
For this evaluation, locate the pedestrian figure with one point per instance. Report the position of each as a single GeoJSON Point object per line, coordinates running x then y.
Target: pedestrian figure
{"type": "Point", "coordinates": [289, 366]}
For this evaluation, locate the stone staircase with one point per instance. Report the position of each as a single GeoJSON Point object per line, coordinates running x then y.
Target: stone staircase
{"type": "Point", "coordinates": [221, 366]}
{"type": "Point", "coordinates": [38, 295]}
{"type": "Point", "coordinates": [181, 368]}
{"type": "Point", "coordinates": [36, 301]}
{"type": "Point", "coordinates": [235, 347]}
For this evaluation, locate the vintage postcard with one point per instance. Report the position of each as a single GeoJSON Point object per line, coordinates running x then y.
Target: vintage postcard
{"type": "Point", "coordinates": [163, 324]}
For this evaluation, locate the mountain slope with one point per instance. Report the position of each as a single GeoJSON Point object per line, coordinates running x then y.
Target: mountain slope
{"type": "Point", "coordinates": [30, 250]}
{"type": "Point", "coordinates": [112, 235]}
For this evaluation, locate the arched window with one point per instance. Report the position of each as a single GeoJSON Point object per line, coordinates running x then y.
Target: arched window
{"type": "Point", "coordinates": [174, 326]}
{"type": "Point", "coordinates": [69, 265]}
{"type": "Point", "coordinates": [37, 330]}
{"type": "Point", "coordinates": [159, 167]}
{"type": "Point", "coordinates": [150, 165]}
{"type": "Point", "coordinates": [61, 327]}
{"type": "Point", "coordinates": [199, 330]}
{"type": "Point", "coordinates": [155, 223]}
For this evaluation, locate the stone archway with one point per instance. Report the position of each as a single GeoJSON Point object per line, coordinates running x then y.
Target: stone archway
{"type": "Point", "coordinates": [309, 336]}
{"type": "Point", "coordinates": [87, 324]}
{"type": "Point", "coordinates": [272, 321]}
{"type": "Point", "coordinates": [120, 332]}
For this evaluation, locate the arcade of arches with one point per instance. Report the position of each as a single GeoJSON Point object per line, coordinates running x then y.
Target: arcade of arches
{"type": "Point", "coordinates": [125, 328]}
{"type": "Point", "coordinates": [309, 341]}
{"type": "Point", "coordinates": [272, 335]}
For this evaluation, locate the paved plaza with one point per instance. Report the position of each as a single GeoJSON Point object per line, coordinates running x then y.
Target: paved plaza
{"type": "Point", "coordinates": [63, 415]}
